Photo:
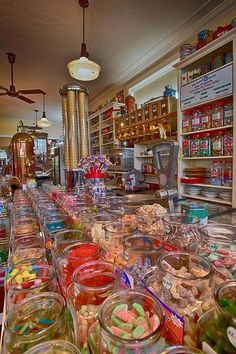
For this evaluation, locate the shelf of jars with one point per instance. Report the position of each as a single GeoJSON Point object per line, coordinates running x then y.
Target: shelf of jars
{"type": "Point", "coordinates": [206, 128]}
{"type": "Point", "coordinates": [102, 123]}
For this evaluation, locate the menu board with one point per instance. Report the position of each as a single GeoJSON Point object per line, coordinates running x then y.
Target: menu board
{"type": "Point", "coordinates": [208, 87]}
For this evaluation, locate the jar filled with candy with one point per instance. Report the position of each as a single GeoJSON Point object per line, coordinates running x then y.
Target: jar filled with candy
{"type": "Point", "coordinates": [92, 283]}
{"type": "Point", "coordinates": [36, 319]}
{"type": "Point", "coordinates": [194, 145]}
{"type": "Point", "coordinates": [218, 246]}
{"type": "Point", "coordinates": [139, 257]}
{"type": "Point", "coordinates": [130, 322]}
{"type": "Point", "coordinates": [206, 117]}
{"type": "Point", "coordinates": [228, 142]}
{"type": "Point", "coordinates": [74, 256]}
{"type": "Point", "coordinates": [29, 282]}
{"type": "Point", "coordinates": [205, 145]}
{"type": "Point", "coordinates": [150, 219]}
{"type": "Point", "coordinates": [217, 143]}
{"type": "Point", "coordinates": [98, 223]}
{"type": "Point", "coordinates": [181, 231]}
{"type": "Point", "coordinates": [228, 112]}
{"type": "Point", "coordinates": [114, 235]}
{"type": "Point", "coordinates": [186, 122]}
{"type": "Point", "coordinates": [53, 347]}
{"type": "Point", "coordinates": [184, 282]}
{"type": "Point", "coordinates": [196, 120]}
{"type": "Point", "coordinates": [217, 328]}
{"type": "Point", "coordinates": [186, 146]}
{"type": "Point", "coordinates": [227, 173]}
{"type": "Point", "coordinates": [182, 349]}
{"type": "Point", "coordinates": [217, 114]}
{"type": "Point", "coordinates": [216, 173]}
{"type": "Point", "coordinates": [82, 219]}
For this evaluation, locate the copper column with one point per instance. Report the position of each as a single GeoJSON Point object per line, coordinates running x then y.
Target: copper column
{"type": "Point", "coordinates": [74, 99]}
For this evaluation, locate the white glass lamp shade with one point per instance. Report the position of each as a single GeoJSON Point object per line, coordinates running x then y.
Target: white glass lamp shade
{"type": "Point", "coordinates": [44, 123]}
{"type": "Point", "coordinates": [84, 69]}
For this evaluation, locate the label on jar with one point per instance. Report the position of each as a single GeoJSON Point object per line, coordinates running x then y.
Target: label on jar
{"type": "Point", "coordinates": [207, 349]}
{"type": "Point", "coordinates": [166, 282]}
{"type": "Point", "coordinates": [211, 247]}
{"type": "Point", "coordinates": [216, 116]}
{"type": "Point", "coordinates": [231, 333]}
{"type": "Point", "coordinates": [229, 113]}
{"type": "Point", "coordinates": [195, 122]}
{"type": "Point", "coordinates": [205, 119]}
{"type": "Point", "coordinates": [185, 123]}
{"type": "Point", "coordinates": [216, 145]}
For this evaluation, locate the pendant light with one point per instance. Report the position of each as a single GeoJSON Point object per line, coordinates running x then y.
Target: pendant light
{"type": "Point", "coordinates": [84, 69]}
{"type": "Point", "coordinates": [44, 122]}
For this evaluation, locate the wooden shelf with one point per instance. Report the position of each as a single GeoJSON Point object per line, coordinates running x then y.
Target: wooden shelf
{"type": "Point", "coordinates": [108, 143]}
{"type": "Point", "coordinates": [94, 137]}
{"type": "Point", "coordinates": [144, 156]}
{"type": "Point", "coordinates": [94, 125]}
{"type": "Point", "coordinates": [207, 158]}
{"type": "Point", "coordinates": [111, 132]}
{"type": "Point", "coordinates": [208, 130]}
{"type": "Point", "coordinates": [114, 105]}
{"type": "Point", "coordinates": [95, 146]}
{"type": "Point", "coordinates": [206, 185]}
{"type": "Point", "coordinates": [214, 200]}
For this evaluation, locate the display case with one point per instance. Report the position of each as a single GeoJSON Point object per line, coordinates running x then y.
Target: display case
{"type": "Point", "coordinates": [206, 129]}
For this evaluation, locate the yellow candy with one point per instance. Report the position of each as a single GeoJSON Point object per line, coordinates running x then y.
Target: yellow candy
{"type": "Point", "coordinates": [18, 279]}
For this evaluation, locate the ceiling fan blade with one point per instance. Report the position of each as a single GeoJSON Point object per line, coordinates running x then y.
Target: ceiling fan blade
{"type": "Point", "coordinates": [3, 88]}
{"type": "Point", "coordinates": [31, 92]}
{"type": "Point", "coordinates": [23, 98]}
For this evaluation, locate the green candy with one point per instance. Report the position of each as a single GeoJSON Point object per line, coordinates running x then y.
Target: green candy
{"type": "Point", "coordinates": [138, 332]}
{"type": "Point", "coordinates": [119, 308]}
{"type": "Point", "coordinates": [139, 309]}
{"type": "Point", "coordinates": [117, 322]}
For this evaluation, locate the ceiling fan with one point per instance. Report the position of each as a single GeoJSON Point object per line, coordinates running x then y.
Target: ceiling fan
{"type": "Point", "coordinates": [12, 90]}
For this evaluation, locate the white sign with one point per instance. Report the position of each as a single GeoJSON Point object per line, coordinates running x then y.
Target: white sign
{"type": "Point", "coordinates": [211, 86]}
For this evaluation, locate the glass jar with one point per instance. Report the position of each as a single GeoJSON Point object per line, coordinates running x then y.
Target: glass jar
{"type": "Point", "coordinates": [35, 241]}
{"type": "Point", "coordinates": [196, 120]}
{"type": "Point", "coordinates": [217, 114]}
{"type": "Point", "coordinates": [228, 113]}
{"type": "Point", "coordinates": [64, 238]}
{"type": "Point", "coordinates": [184, 282]}
{"type": "Point", "coordinates": [98, 223]}
{"type": "Point", "coordinates": [186, 121]}
{"type": "Point", "coordinates": [30, 256]}
{"type": "Point", "coordinates": [218, 246]}
{"type": "Point", "coordinates": [181, 231]}
{"type": "Point", "coordinates": [74, 256]}
{"type": "Point", "coordinates": [4, 252]}
{"type": "Point", "coordinates": [227, 173]}
{"type": "Point", "coordinates": [217, 328]}
{"type": "Point", "coordinates": [216, 173]}
{"type": "Point", "coordinates": [228, 143]}
{"type": "Point", "coordinates": [205, 145]}
{"type": "Point", "coordinates": [186, 146]}
{"type": "Point", "coordinates": [92, 283]}
{"type": "Point", "coordinates": [206, 117]}
{"type": "Point", "coordinates": [32, 281]}
{"type": "Point", "coordinates": [139, 257]}
{"type": "Point", "coordinates": [150, 219]}
{"type": "Point", "coordinates": [182, 349]}
{"type": "Point", "coordinates": [54, 223]}
{"type": "Point", "coordinates": [82, 219]}
{"type": "Point", "coordinates": [54, 347]}
{"type": "Point", "coordinates": [139, 308]}
{"type": "Point", "coordinates": [3, 206]}
{"type": "Point", "coordinates": [114, 235]}
{"type": "Point", "coordinates": [25, 230]}
{"type": "Point", "coordinates": [194, 145]}
{"type": "Point", "coordinates": [36, 319]}
{"type": "Point", "coordinates": [217, 143]}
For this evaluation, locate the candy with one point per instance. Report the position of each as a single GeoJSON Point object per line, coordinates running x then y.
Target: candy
{"type": "Point", "coordinates": [138, 309]}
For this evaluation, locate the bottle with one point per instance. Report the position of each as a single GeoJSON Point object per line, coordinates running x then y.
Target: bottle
{"type": "Point", "coordinates": [217, 114]}
{"type": "Point", "coordinates": [206, 117]}
{"type": "Point", "coordinates": [205, 145]}
{"type": "Point", "coordinates": [216, 173]}
{"type": "Point", "coordinates": [217, 143]}
{"type": "Point", "coordinates": [228, 113]}
{"type": "Point", "coordinates": [216, 328]}
{"type": "Point", "coordinates": [194, 145]}
{"type": "Point", "coordinates": [227, 173]}
{"type": "Point", "coordinates": [196, 120]}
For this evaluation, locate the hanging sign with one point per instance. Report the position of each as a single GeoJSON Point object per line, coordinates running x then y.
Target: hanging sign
{"type": "Point", "coordinates": [211, 86]}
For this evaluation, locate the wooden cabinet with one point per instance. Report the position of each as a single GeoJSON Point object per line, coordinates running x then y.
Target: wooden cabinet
{"type": "Point", "coordinates": [206, 81]}
{"type": "Point", "coordinates": [103, 127]}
